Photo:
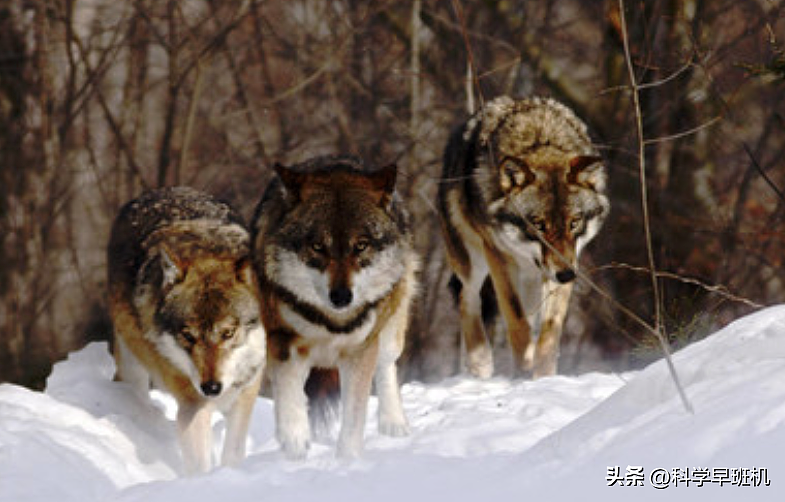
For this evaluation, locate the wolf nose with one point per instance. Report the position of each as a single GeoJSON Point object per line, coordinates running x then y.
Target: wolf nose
{"type": "Point", "coordinates": [341, 297]}
{"type": "Point", "coordinates": [565, 276]}
{"type": "Point", "coordinates": [211, 388]}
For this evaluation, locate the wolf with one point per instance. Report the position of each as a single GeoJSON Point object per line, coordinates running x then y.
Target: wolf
{"type": "Point", "coordinates": [522, 192]}
{"type": "Point", "coordinates": [184, 303]}
{"type": "Point", "coordinates": [332, 247]}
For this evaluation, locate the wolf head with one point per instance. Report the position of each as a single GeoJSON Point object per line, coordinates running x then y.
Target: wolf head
{"type": "Point", "coordinates": [204, 308]}
{"type": "Point", "coordinates": [543, 181]}
{"type": "Point", "coordinates": [339, 244]}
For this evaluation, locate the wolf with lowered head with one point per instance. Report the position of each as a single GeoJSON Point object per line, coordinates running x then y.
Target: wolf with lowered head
{"type": "Point", "coordinates": [184, 303]}
{"type": "Point", "coordinates": [522, 192]}
{"type": "Point", "coordinates": [333, 251]}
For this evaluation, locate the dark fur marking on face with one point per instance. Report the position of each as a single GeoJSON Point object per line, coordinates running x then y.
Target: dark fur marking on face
{"type": "Point", "coordinates": [512, 219]}
{"type": "Point", "coordinates": [381, 242]}
{"type": "Point", "coordinates": [315, 316]}
{"type": "Point", "coordinates": [169, 321]}
{"type": "Point", "coordinates": [519, 222]}
{"type": "Point", "coordinates": [209, 308]}
{"type": "Point", "coordinates": [594, 213]}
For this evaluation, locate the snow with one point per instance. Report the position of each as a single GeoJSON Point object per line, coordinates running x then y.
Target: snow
{"type": "Point", "coordinates": [87, 438]}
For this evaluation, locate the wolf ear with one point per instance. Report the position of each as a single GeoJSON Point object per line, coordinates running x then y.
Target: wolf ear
{"type": "Point", "coordinates": [244, 272]}
{"type": "Point", "coordinates": [172, 273]}
{"type": "Point", "coordinates": [514, 173]}
{"type": "Point", "coordinates": [383, 182]}
{"type": "Point", "coordinates": [292, 181]}
{"type": "Point", "coordinates": [579, 163]}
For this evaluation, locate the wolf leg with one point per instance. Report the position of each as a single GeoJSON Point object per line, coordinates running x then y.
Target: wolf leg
{"type": "Point", "coordinates": [356, 372]}
{"type": "Point", "coordinates": [479, 355]}
{"type": "Point", "coordinates": [130, 369]}
{"type": "Point", "coordinates": [555, 303]}
{"type": "Point", "coordinates": [506, 278]}
{"type": "Point", "coordinates": [464, 252]}
{"type": "Point", "coordinates": [237, 419]}
{"type": "Point", "coordinates": [291, 406]}
{"type": "Point", "coordinates": [392, 419]}
{"type": "Point", "coordinates": [530, 290]}
{"type": "Point", "coordinates": [196, 436]}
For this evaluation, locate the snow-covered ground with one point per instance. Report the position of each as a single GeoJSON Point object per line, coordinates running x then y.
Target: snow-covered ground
{"type": "Point", "coordinates": [88, 438]}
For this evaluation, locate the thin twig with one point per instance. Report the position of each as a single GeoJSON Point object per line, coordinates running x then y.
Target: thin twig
{"type": "Point", "coordinates": [647, 85]}
{"type": "Point", "coordinates": [645, 208]}
{"type": "Point", "coordinates": [682, 134]}
{"type": "Point", "coordinates": [414, 82]}
{"type": "Point", "coordinates": [667, 79]}
{"type": "Point", "coordinates": [110, 118]}
{"type": "Point", "coordinates": [642, 168]}
{"type": "Point", "coordinates": [712, 288]}
{"type": "Point", "coordinates": [325, 67]}
{"type": "Point", "coordinates": [189, 123]}
{"type": "Point", "coordinates": [762, 172]}
{"type": "Point", "coordinates": [456, 5]}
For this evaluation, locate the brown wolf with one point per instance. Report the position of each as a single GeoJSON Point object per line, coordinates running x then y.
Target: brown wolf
{"type": "Point", "coordinates": [185, 306]}
{"type": "Point", "coordinates": [332, 248]}
{"type": "Point", "coordinates": [522, 192]}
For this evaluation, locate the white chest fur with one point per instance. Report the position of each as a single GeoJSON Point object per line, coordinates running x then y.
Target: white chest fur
{"type": "Point", "coordinates": [324, 345]}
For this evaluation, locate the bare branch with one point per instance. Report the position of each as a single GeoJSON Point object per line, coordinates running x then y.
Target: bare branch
{"type": "Point", "coordinates": [189, 123]}
{"type": "Point", "coordinates": [645, 208]}
{"type": "Point", "coordinates": [472, 67]}
{"type": "Point", "coordinates": [762, 172]}
{"type": "Point", "coordinates": [109, 116]}
{"type": "Point", "coordinates": [667, 79]}
{"type": "Point", "coordinates": [683, 134]}
{"type": "Point", "coordinates": [712, 288]}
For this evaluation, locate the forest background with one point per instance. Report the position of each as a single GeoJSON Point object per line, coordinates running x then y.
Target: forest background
{"type": "Point", "coordinates": [101, 99]}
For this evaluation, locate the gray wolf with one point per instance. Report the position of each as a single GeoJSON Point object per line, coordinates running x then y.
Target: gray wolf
{"type": "Point", "coordinates": [184, 302]}
{"type": "Point", "coordinates": [522, 192]}
{"type": "Point", "coordinates": [333, 252]}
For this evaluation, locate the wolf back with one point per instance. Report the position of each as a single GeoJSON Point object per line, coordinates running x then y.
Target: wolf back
{"type": "Point", "coordinates": [521, 194]}
{"type": "Point", "coordinates": [185, 307]}
{"type": "Point", "coordinates": [332, 249]}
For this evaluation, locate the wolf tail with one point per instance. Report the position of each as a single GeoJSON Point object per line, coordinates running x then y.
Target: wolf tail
{"type": "Point", "coordinates": [323, 389]}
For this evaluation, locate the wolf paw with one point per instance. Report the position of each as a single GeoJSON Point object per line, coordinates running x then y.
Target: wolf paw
{"type": "Point", "coordinates": [295, 447]}
{"type": "Point", "coordinates": [545, 369]}
{"type": "Point", "coordinates": [295, 451]}
{"type": "Point", "coordinates": [349, 450]}
{"type": "Point", "coordinates": [394, 428]}
{"type": "Point", "coordinates": [480, 362]}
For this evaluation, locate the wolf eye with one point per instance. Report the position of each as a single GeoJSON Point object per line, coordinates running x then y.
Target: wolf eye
{"type": "Point", "coordinates": [227, 334]}
{"type": "Point", "coordinates": [360, 246]}
{"type": "Point", "coordinates": [187, 336]}
{"type": "Point", "coordinates": [576, 223]}
{"type": "Point", "coordinates": [538, 224]}
{"type": "Point", "coordinates": [514, 173]}
{"type": "Point", "coordinates": [534, 228]}
{"type": "Point", "coordinates": [317, 247]}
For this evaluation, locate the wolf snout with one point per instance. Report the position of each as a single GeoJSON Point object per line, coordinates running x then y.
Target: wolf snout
{"type": "Point", "coordinates": [565, 276]}
{"type": "Point", "coordinates": [211, 388]}
{"type": "Point", "coordinates": [341, 297]}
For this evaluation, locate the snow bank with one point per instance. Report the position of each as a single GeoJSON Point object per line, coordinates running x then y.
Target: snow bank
{"type": "Point", "coordinates": [89, 438]}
